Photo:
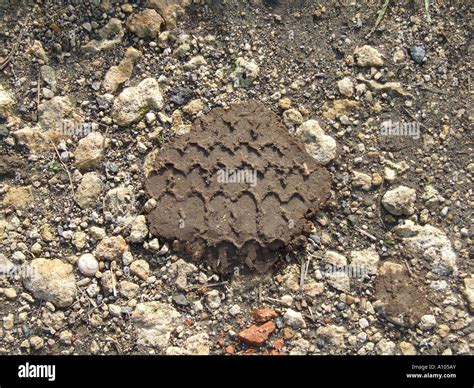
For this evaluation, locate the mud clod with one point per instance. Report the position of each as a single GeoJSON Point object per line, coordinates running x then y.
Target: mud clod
{"type": "Point", "coordinates": [236, 190]}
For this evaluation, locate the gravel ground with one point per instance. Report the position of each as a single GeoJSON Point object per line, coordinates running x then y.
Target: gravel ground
{"type": "Point", "coordinates": [91, 90]}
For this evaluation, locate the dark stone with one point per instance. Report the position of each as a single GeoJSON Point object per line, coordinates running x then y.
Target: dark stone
{"type": "Point", "coordinates": [182, 96]}
{"type": "Point", "coordinates": [418, 53]}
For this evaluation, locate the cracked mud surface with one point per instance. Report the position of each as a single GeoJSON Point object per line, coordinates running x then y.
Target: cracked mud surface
{"type": "Point", "coordinates": [233, 219]}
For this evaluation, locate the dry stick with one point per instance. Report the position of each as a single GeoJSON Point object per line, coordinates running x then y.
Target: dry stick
{"type": "Point", "coordinates": [307, 268]}
{"type": "Point", "coordinates": [38, 311]}
{"type": "Point", "coordinates": [434, 303]}
{"type": "Point", "coordinates": [206, 285]}
{"type": "Point", "coordinates": [371, 236]}
{"type": "Point", "coordinates": [275, 300]}
{"type": "Point", "coordinates": [114, 288]}
{"type": "Point", "coordinates": [93, 309]}
{"type": "Point", "coordinates": [15, 46]}
{"type": "Point", "coordinates": [65, 168]}
{"type": "Point", "coordinates": [380, 207]}
{"type": "Point", "coordinates": [408, 268]}
{"type": "Point", "coordinates": [312, 254]}
{"type": "Point", "coordinates": [313, 243]}
{"type": "Point", "coordinates": [38, 91]}
{"type": "Point", "coordinates": [309, 317]}
{"type": "Point", "coordinates": [12, 70]}
{"type": "Point", "coordinates": [432, 90]}
{"type": "Point", "coordinates": [302, 275]}
{"type": "Point", "coordinates": [117, 346]}
{"type": "Point", "coordinates": [311, 313]}
{"type": "Point", "coordinates": [413, 117]}
{"type": "Point", "coordinates": [87, 298]}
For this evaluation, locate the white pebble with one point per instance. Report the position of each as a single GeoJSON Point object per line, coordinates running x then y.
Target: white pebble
{"type": "Point", "coordinates": [88, 265]}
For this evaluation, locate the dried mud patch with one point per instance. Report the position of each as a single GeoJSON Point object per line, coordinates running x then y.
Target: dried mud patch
{"type": "Point", "coordinates": [236, 190]}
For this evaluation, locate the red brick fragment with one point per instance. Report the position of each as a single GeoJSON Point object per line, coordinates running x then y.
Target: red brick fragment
{"type": "Point", "coordinates": [257, 335]}
{"type": "Point", "coordinates": [263, 315]}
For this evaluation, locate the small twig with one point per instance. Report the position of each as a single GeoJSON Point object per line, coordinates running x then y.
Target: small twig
{"type": "Point", "coordinates": [307, 268]}
{"type": "Point", "coordinates": [314, 244]}
{"type": "Point", "coordinates": [38, 311]}
{"type": "Point", "coordinates": [408, 268]}
{"type": "Point", "coordinates": [114, 287]}
{"type": "Point", "coordinates": [259, 294]}
{"type": "Point", "coordinates": [302, 271]}
{"type": "Point", "coordinates": [312, 255]}
{"type": "Point", "coordinates": [407, 112]}
{"type": "Point", "coordinates": [371, 236]}
{"type": "Point", "coordinates": [432, 90]}
{"type": "Point", "coordinates": [309, 317]}
{"type": "Point", "coordinates": [10, 54]}
{"type": "Point", "coordinates": [65, 169]}
{"type": "Point", "coordinates": [77, 301]}
{"type": "Point", "coordinates": [311, 313]}
{"type": "Point", "coordinates": [117, 346]}
{"type": "Point", "coordinates": [15, 45]}
{"type": "Point", "coordinates": [38, 91]}
{"type": "Point", "coordinates": [206, 285]}
{"type": "Point", "coordinates": [279, 301]}
{"type": "Point", "coordinates": [434, 303]}
{"type": "Point", "coordinates": [93, 309]}
{"type": "Point", "coordinates": [380, 207]}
